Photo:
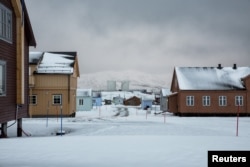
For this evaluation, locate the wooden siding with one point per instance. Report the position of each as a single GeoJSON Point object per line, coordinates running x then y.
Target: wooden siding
{"type": "Point", "coordinates": [51, 81]}
{"type": "Point", "coordinates": [172, 103]}
{"type": "Point", "coordinates": [45, 104]}
{"type": "Point", "coordinates": [133, 101]}
{"type": "Point", "coordinates": [8, 54]}
{"type": "Point", "coordinates": [47, 85]}
{"type": "Point", "coordinates": [23, 110]}
{"type": "Point", "coordinates": [247, 82]}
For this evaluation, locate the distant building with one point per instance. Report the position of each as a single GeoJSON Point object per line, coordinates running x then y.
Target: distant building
{"type": "Point", "coordinates": [146, 103]}
{"type": "Point", "coordinates": [133, 101]}
{"type": "Point", "coordinates": [107, 102]}
{"type": "Point", "coordinates": [118, 100]}
{"type": "Point", "coordinates": [84, 99]}
{"type": "Point", "coordinates": [111, 85]}
{"type": "Point", "coordinates": [210, 90]}
{"type": "Point", "coordinates": [53, 83]}
{"type": "Point", "coordinates": [163, 99]}
{"type": "Point", "coordinates": [96, 98]}
{"type": "Point", "coordinates": [125, 85]}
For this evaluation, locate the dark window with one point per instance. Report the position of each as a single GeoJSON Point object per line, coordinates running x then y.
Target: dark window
{"type": "Point", "coordinates": [57, 99]}
{"type": "Point", "coordinates": [81, 102]}
{"type": "Point", "coordinates": [33, 99]}
{"type": "Point", "coordinates": [2, 78]}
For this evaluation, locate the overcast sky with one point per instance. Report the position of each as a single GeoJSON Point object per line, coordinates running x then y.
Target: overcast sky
{"type": "Point", "coordinates": [151, 36]}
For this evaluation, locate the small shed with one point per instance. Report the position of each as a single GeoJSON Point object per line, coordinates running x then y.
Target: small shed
{"type": "Point", "coordinates": [133, 101]}
{"type": "Point", "coordinates": [118, 100]}
{"type": "Point", "coordinates": [96, 98]}
{"type": "Point", "coordinates": [146, 103]}
{"type": "Point", "coordinates": [164, 99]}
{"type": "Point", "coordinates": [84, 100]}
{"type": "Point", "coordinates": [107, 102]}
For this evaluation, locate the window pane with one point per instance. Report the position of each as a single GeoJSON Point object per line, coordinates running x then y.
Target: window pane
{"type": "Point", "coordinates": [2, 78]}
{"type": "Point", "coordinates": [190, 100]}
{"type": "Point", "coordinates": [33, 99]}
{"type": "Point", "coordinates": [238, 100]}
{"type": "Point", "coordinates": [5, 23]}
{"type": "Point", "coordinates": [206, 100]}
{"type": "Point", "coordinates": [222, 100]}
{"type": "Point", "coordinates": [1, 22]}
{"type": "Point", "coordinates": [57, 99]}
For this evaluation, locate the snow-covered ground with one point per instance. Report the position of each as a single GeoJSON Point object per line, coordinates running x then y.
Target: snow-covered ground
{"type": "Point", "coordinates": [98, 138]}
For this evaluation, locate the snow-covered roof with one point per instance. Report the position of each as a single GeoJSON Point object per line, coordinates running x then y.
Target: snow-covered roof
{"type": "Point", "coordinates": [55, 63]}
{"type": "Point", "coordinates": [211, 78]}
{"type": "Point", "coordinates": [165, 92]}
{"type": "Point", "coordinates": [83, 92]}
{"type": "Point", "coordinates": [34, 57]}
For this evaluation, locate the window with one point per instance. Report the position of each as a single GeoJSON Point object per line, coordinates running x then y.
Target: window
{"type": "Point", "coordinates": [33, 99]}
{"type": "Point", "coordinates": [80, 102]}
{"type": "Point", "coordinates": [94, 101]}
{"type": "Point", "coordinates": [238, 100]}
{"type": "Point", "coordinates": [2, 78]}
{"type": "Point", "coordinates": [206, 100]}
{"type": "Point", "coordinates": [222, 101]}
{"type": "Point", "coordinates": [5, 24]}
{"type": "Point", "coordinates": [57, 99]}
{"type": "Point", "coordinates": [190, 100]}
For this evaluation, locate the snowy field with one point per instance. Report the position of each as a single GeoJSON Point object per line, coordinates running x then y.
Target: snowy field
{"type": "Point", "coordinates": [98, 138]}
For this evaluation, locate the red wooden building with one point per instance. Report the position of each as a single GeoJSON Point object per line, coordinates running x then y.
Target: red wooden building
{"type": "Point", "coordinates": [16, 35]}
{"type": "Point", "coordinates": [133, 101]}
{"type": "Point", "coordinates": [210, 91]}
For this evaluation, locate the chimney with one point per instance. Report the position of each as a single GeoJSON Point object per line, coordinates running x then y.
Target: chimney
{"type": "Point", "coordinates": [219, 67]}
{"type": "Point", "coordinates": [235, 67]}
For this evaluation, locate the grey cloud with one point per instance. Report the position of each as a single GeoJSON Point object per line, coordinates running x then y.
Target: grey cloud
{"type": "Point", "coordinates": [145, 35]}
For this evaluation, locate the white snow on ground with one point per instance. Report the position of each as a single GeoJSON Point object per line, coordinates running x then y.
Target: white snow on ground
{"type": "Point", "coordinates": [97, 138]}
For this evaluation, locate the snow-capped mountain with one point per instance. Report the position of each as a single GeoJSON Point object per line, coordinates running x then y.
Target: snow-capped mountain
{"type": "Point", "coordinates": [137, 80]}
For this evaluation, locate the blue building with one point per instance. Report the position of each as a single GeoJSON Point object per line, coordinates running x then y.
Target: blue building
{"type": "Point", "coordinates": [146, 103]}
{"type": "Point", "coordinates": [84, 100]}
{"type": "Point", "coordinates": [96, 99]}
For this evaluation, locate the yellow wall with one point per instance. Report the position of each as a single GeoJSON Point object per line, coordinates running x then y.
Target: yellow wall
{"type": "Point", "coordinates": [48, 85]}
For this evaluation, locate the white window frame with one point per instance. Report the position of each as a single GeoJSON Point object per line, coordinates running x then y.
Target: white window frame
{"type": "Point", "coordinates": [190, 100]}
{"type": "Point", "coordinates": [239, 99]}
{"type": "Point", "coordinates": [3, 78]}
{"type": "Point", "coordinates": [5, 24]}
{"type": "Point", "coordinates": [206, 100]}
{"type": "Point", "coordinates": [57, 99]}
{"type": "Point", "coordinates": [33, 99]}
{"type": "Point", "coordinates": [222, 100]}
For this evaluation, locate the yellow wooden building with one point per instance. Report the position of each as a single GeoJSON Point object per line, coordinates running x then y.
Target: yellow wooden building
{"type": "Point", "coordinates": [52, 83]}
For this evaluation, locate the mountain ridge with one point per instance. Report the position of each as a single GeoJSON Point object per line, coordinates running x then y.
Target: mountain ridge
{"type": "Point", "coordinates": [137, 80]}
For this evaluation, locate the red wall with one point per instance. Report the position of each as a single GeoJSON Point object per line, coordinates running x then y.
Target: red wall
{"type": "Point", "coordinates": [214, 107]}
